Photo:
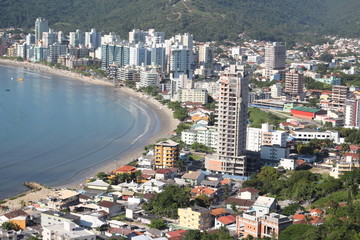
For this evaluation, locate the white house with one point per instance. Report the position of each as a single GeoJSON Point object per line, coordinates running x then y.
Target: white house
{"type": "Point", "coordinates": [248, 193]}
{"type": "Point", "coordinates": [153, 186]}
{"type": "Point", "coordinates": [68, 231]}
{"type": "Point", "coordinates": [111, 208]}
{"type": "Point", "coordinates": [263, 205]}
{"type": "Point", "coordinates": [288, 163]}
{"type": "Point", "coordinates": [98, 185]}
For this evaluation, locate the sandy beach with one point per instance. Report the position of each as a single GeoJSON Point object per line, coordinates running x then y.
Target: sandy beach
{"type": "Point", "coordinates": [165, 115]}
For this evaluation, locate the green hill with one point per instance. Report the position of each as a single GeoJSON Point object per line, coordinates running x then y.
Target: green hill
{"type": "Point", "coordinates": [206, 19]}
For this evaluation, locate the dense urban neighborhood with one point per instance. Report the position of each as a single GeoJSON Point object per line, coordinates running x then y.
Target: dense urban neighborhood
{"type": "Point", "coordinates": [267, 145]}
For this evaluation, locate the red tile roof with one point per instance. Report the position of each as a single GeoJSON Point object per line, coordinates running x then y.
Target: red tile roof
{"type": "Point", "coordinates": [107, 204]}
{"type": "Point", "coordinates": [163, 171]}
{"type": "Point", "coordinates": [125, 169]}
{"type": "Point", "coordinates": [15, 214]}
{"type": "Point", "coordinates": [218, 211]}
{"type": "Point", "coordinates": [227, 219]}
{"type": "Point", "coordinates": [249, 189]}
{"type": "Point", "coordinates": [316, 210]}
{"type": "Point", "coordinates": [176, 234]}
{"type": "Point", "coordinates": [299, 217]}
{"type": "Point", "coordinates": [203, 190]}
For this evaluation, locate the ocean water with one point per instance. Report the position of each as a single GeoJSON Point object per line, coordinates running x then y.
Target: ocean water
{"type": "Point", "coordinates": [54, 130]}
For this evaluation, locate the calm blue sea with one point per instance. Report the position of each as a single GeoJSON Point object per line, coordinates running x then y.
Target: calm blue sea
{"type": "Point", "coordinates": [54, 129]}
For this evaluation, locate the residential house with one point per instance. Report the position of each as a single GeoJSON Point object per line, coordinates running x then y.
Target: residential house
{"type": "Point", "coordinates": [167, 173]}
{"type": "Point", "coordinates": [228, 221]}
{"type": "Point", "coordinates": [316, 212]}
{"type": "Point", "coordinates": [98, 185]}
{"type": "Point", "coordinates": [194, 178]}
{"type": "Point", "coordinates": [19, 217]}
{"type": "Point", "coordinates": [111, 208]}
{"type": "Point", "coordinates": [125, 169]}
{"type": "Point", "coordinates": [264, 205]}
{"type": "Point", "coordinates": [219, 212]}
{"type": "Point", "coordinates": [209, 192]}
{"type": "Point", "coordinates": [176, 235]}
{"type": "Point", "coordinates": [248, 193]}
{"type": "Point", "coordinates": [153, 186]}
{"type": "Point", "coordinates": [195, 217]}
{"type": "Point", "coordinates": [68, 231]}
{"type": "Point", "coordinates": [239, 204]}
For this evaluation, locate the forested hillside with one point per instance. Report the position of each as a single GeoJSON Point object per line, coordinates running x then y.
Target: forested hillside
{"type": "Point", "coordinates": [206, 19]}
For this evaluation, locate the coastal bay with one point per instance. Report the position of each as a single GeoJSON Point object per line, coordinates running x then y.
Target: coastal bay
{"type": "Point", "coordinates": [117, 126]}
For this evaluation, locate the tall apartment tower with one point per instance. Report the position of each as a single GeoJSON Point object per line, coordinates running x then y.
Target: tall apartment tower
{"type": "Point", "coordinates": [352, 111]}
{"type": "Point", "coordinates": [231, 126]}
{"type": "Point", "coordinates": [41, 25]}
{"type": "Point", "coordinates": [275, 55]}
{"type": "Point", "coordinates": [166, 154]}
{"type": "Point", "coordinates": [294, 83]}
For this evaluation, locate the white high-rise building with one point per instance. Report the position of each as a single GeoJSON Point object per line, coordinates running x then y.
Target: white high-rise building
{"type": "Point", "coordinates": [110, 38]}
{"type": "Point", "coordinates": [138, 55]}
{"type": "Point", "coordinates": [231, 126]}
{"type": "Point", "coordinates": [206, 55]}
{"type": "Point", "coordinates": [137, 36]}
{"type": "Point", "coordinates": [92, 39]}
{"type": "Point", "coordinates": [49, 38]}
{"type": "Point", "coordinates": [149, 78]}
{"type": "Point", "coordinates": [180, 60]}
{"type": "Point", "coordinates": [275, 55]}
{"type": "Point", "coordinates": [352, 111]}
{"type": "Point", "coordinates": [41, 25]}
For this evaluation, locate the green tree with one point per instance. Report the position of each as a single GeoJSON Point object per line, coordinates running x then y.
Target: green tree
{"type": "Point", "coordinates": [326, 57]}
{"type": "Point", "coordinates": [158, 224]}
{"type": "Point", "coordinates": [10, 226]}
{"type": "Point", "coordinates": [292, 209]}
{"type": "Point", "coordinates": [168, 201]}
{"type": "Point", "coordinates": [295, 232]}
{"type": "Point", "coordinates": [102, 175]}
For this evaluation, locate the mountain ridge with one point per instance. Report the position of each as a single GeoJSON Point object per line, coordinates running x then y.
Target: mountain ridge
{"type": "Point", "coordinates": [206, 19]}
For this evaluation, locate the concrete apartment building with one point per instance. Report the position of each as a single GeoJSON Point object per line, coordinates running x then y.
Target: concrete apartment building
{"type": "Point", "coordinates": [231, 126]}
{"type": "Point", "coordinates": [198, 218]}
{"type": "Point", "coordinates": [275, 55]}
{"type": "Point", "coordinates": [294, 83]}
{"type": "Point", "coordinates": [264, 136]}
{"type": "Point", "coordinates": [203, 135]}
{"type": "Point", "coordinates": [197, 95]}
{"type": "Point", "coordinates": [338, 97]}
{"type": "Point", "coordinates": [166, 154]}
{"type": "Point", "coordinates": [268, 225]}
{"type": "Point", "coordinates": [352, 111]}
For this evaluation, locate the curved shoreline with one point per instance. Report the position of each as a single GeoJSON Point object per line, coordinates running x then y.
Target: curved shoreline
{"type": "Point", "coordinates": [167, 122]}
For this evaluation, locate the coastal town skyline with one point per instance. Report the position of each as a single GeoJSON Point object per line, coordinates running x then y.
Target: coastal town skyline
{"type": "Point", "coordinates": [233, 140]}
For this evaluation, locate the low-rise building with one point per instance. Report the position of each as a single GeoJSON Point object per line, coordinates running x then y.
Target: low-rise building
{"type": "Point", "coordinates": [307, 134]}
{"type": "Point", "coordinates": [268, 225]}
{"type": "Point", "coordinates": [274, 152]}
{"type": "Point", "coordinates": [55, 218]}
{"type": "Point", "coordinates": [264, 205]}
{"type": "Point", "coordinates": [198, 218]}
{"type": "Point", "coordinates": [68, 231]}
{"type": "Point", "coordinates": [248, 193]}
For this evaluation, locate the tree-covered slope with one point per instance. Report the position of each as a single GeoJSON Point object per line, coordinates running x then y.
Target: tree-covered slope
{"type": "Point", "coordinates": [207, 19]}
